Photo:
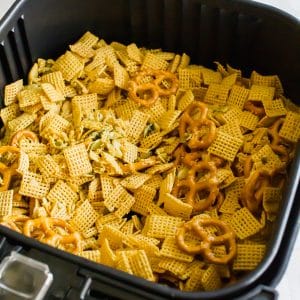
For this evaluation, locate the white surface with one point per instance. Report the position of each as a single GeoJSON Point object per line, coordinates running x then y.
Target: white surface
{"type": "Point", "coordinates": [289, 287]}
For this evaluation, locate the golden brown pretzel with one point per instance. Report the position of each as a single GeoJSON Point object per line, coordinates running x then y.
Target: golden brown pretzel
{"type": "Point", "coordinates": [23, 134]}
{"type": "Point", "coordinates": [146, 93]}
{"type": "Point", "coordinates": [50, 236]}
{"type": "Point", "coordinates": [192, 186]}
{"type": "Point", "coordinates": [190, 125]}
{"type": "Point", "coordinates": [255, 108]}
{"type": "Point", "coordinates": [253, 190]}
{"type": "Point", "coordinates": [197, 226]}
{"type": "Point", "coordinates": [8, 171]}
{"type": "Point", "coordinates": [277, 141]}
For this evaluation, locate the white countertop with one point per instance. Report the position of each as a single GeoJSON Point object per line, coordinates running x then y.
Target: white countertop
{"type": "Point", "coordinates": [289, 287]}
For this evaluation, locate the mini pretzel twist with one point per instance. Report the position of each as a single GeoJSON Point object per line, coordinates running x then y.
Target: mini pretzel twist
{"type": "Point", "coordinates": [188, 124]}
{"type": "Point", "coordinates": [7, 172]}
{"type": "Point", "coordinates": [192, 186]}
{"type": "Point", "coordinates": [23, 134]}
{"type": "Point", "coordinates": [47, 226]}
{"type": "Point", "coordinates": [147, 93]}
{"type": "Point", "coordinates": [255, 108]}
{"type": "Point", "coordinates": [224, 236]}
{"type": "Point", "coordinates": [252, 194]}
{"type": "Point", "coordinates": [277, 141]}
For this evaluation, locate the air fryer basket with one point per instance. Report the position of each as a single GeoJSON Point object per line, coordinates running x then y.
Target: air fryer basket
{"type": "Point", "coordinates": [242, 33]}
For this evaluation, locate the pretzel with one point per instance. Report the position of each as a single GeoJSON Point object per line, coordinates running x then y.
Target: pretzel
{"type": "Point", "coordinates": [147, 93]}
{"type": "Point", "coordinates": [192, 186]}
{"type": "Point", "coordinates": [139, 165]}
{"type": "Point", "coordinates": [225, 237]}
{"type": "Point", "coordinates": [276, 143]}
{"type": "Point", "coordinates": [46, 226]}
{"type": "Point", "coordinates": [252, 194]}
{"type": "Point", "coordinates": [23, 134]}
{"type": "Point", "coordinates": [254, 108]}
{"type": "Point", "coordinates": [189, 125]}
{"type": "Point", "coordinates": [7, 172]}
{"type": "Point", "coordinates": [11, 221]}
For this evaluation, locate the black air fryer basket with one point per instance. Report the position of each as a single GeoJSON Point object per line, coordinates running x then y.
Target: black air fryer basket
{"type": "Point", "coordinates": [242, 33]}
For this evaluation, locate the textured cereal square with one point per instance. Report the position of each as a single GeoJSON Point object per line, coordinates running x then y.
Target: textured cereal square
{"type": "Point", "coordinates": [143, 198]}
{"type": "Point", "coordinates": [265, 158]}
{"type": "Point", "coordinates": [108, 257]}
{"type": "Point", "coordinates": [244, 223]}
{"type": "Point", "coordinates": [134, 53]}
{"type": "Point", "coordinates": [113, 235]}
{"type": "Point", "coordinates": [161, 226]}
{"type": "Point", "coordinates": [21, 122]}
{"type": "Point", "coordinates": [140, 265]}
{"type": "Point", "coordinates": [168, 119]}
{"type": "Point", "coordinates": [229, 80]}
{"type": "Point", "coordinates": [135, 181]}
{"type": "Point", "coordinates": [136, 125]}
{"type": "Point", "coordinates": [177, 208]}
{"type": "Point", "coordinates": [84, 217]}
{"type": "Point", "coordinates": [170, 249]}
{"type": "Point", "coordinates": [233, 114]}
{"type": "Point", "coordinates": [82, 50]}
{"type": "Point", "coordinates": [121, 76]}
{"type": "Point", "coordinates": [185, 100]}
{"type": "Point", "coordinates": [33, 185]}
{"type": "Point", "coordinates": [261, 93]}
{"type": "Point", "coordinates": [56, 79]}
{"type": "Point", "coordinates": [211, 77]}
{"type": "Point", "coordinates": [87, 102]}
{"type": "Point", "coordinates": [6, 203]}
{"type": "Point", "coordinates": [225, 146]}
{"type": "Point", "coordinates": [151, 61]}
{"type": "Point", "coordinates": [78, 160]}
{"type": "Point", "coordinates": [231, 203]}
{"type": "Point", "coordinates": [29, 96]}
{"type": "Point", "coordinates": [216, 94]}
{"type": "Point", "coordinates": [274, 108]}
{"type": "Point", "coordinates": [258, 79]}
{"type": "Point", "coordinates": [9, 113]}
{"type": "Point", "coordinates": [62, 192]}
{"type": "Point", "coordinates": [11, 90]}
{"type": "Point", "coordinates": [248, 120]}
{"type": "Point", "coordinates": [52, 94]}
{"type": "Point", "coordinates": [248, 256]}
{"type": "Point", "coordinates": [69, 65]}
{"type": "Point", "coordinates": [130, 152]}
{"type": "Point", "coordinates": [238, 96]}
{"type": "Point", "coordinates": [152, 140]}
{"type": "Point", "coordinates": [290, 129]}
{"type": "Point", "coordinates": [211, 279]}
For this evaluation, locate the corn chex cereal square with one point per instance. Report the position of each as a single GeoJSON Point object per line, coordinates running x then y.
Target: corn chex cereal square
{"type": "Point", "coordinates": [134, 53]}
{"type": "Point", "coordinates": [140, 265]}
{"type": "Point", "coordinates": [290, 129]}
{"type": "Point", "coordinates": [48, 166]}
{"type": "Point", "coordinates": [229, 80]}
{"type": "Point", "coordinates": [69, 65]}
{"type": "Point", "coordinates": [114, 236]}
{"type": "Point", "coordinates": [121, 76]}
{"type": "Point", "coordinates": [61, 191]}
{"type": "Point", "coordinates": [135, 181]}
{"type": "Point", "coordinates": [151, 61]}
{"type": "Point", "coordinates": [136, 125]}
{"type": "Point", "coordinates": [88, 39]}
{"type": "Point", "coordinates": [274, 108]}
{"type": "Point", "coordinates": [52, 94]}
{"type": "Point", "coordinates": [11, 90]}
{"type": "Point", "coordinates": [265, 80]}
{"type": "Point", "coordinates": [185, 100]}
{"type": "Point", "coordinates": [86, 102]}
{"type": "Point", "coordinates": [210, 77]}
{"type": "Point", "coordinates": [116, 197]}
{"type": "Point", "coordinates": [108, 258]}
{"type": "Point", "coordinates": [244, 223]}
{"type": "Point", "coordinates": [231, 203]}
{"type": "Point", "coordinates": [193, 282]}
{"type": "Point", "coordinates": [216, 94]}
{"type": "Point", "coordinates": [152, 140]}
{"type": "Point", "coordinates": [176, 267]}
{"type": "Point", "coordinates": [168, 119]}
{"type": "Point", "coordinates": [233, 114]}
{"type": "Point", "coordinates": [77, 160]}
{"type": "Point", "coordinates": [84, 216]}
{"type": "Point", "coordinates": [6, 202]}
{"type": "Point", "coordinates": [161, 226]}
{"type": "Point", "coordinates": [225, 146]}
{"type": "Point", "coordinates": [177, 208]}
{"type": "Point", "coordinates": [9, 113]}
{"type": "Point", "coordinates": [248, 256]}
{"type": "Point", "coordinates": [82, 50]}
{"type": "Point", "coordinates": [238, 96]}
{"type": "Point", "coordinates": [170, 249]}
{"type": "Point", "coordinates": [122, 262]}
{"type": "Point", "coordinates": [143, 199]}
{"type": "Point", "coordinates": [211, 279]}
{"type": "Point", "coordinates": [261, 93]}
{"type": "Point", "coordinates": [248, 120]}
{"type": "Point", "coordinates": [125, 207]}
{"type": "Point", "coordinates": [94, 255]}
{"type": "Point", "coordinates": [56, 79]}
{"type": "Point", "coordinates": [29, 96]}
{"type": "Point", "coordinates": [33, 185]}
{"type": "Point", "coordinates": [21, 122]}
{"type": "Point", "coordinates": [266, 158]}
{"type": "Point", "coordinates": [129, 151]}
